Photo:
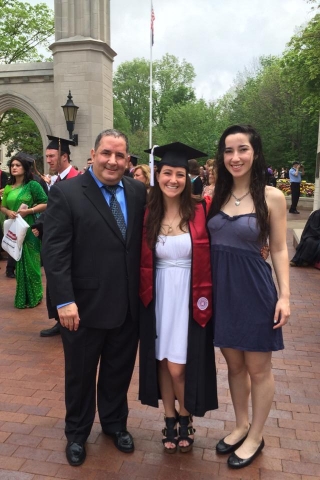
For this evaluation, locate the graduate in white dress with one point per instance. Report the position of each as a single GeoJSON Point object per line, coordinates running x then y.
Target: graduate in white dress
{"type": "Point", "coordinates": [176, 352]}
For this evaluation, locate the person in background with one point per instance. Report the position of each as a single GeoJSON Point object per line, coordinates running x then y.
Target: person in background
{"type": "Point", "coordinates": [91, 255]}
{"type": "Point", "coordinates": [196, 182]}
{"type": "Point", "coordinates": [308, 250]}
{"type": "Point", "coordinates": [271, 178]}
{"type": "Point", "coordinates": [132, 163]}
{"type": "Point", "coordinates": [26, 197]}
{"type": "Point", "coordinates": [58, 158]}
{"type": "Point", "coordinates": [202, 175]}
{"type": "Point", "coordinates": [89, 163]}
{"type": "Point", "coordinates": [295, 176]}
{"type": "Point", "coordinates": [209, 189]}
{"type": "Point", "coordinates": [248, 313]}
{"type": "Point", "coordinates": [142, 173]}
{"type": "Point", "coordinates": [176, 354]}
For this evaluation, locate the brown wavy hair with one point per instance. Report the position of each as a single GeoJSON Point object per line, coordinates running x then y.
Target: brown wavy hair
{"type": "Point", "coordinates": [258, 178]}
{"type": "Point", "coordinates": [156, 213]}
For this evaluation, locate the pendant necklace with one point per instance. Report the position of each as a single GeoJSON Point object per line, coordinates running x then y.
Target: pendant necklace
{"type": "Point", "coordinates": [169, 225]}
{"type": "Point", "coordinates": [238, 200]}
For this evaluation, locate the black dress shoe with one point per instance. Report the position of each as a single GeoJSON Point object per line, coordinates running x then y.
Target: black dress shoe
{"type": "Point", "coordinates": [123, 441]}
{"type": "Point", "coordinates": [224, 448]}
{"type": "Point", "coordinates": [236, 462]}
{"type": "Point", "coordinates": [10, 274]}
{"type": "Point", "coordinates": [51, 332]}
{"type": "Point", "coordinates": [76, 453]}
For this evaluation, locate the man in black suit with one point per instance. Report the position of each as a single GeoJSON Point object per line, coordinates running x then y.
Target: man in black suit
{"type": "Point", "coordinates": [91, 255]}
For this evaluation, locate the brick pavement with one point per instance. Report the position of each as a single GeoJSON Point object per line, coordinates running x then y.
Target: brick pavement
{"type": "Point", "coordinates": [32, 439]}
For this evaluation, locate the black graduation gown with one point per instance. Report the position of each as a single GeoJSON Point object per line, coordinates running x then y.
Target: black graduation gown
{"type": "Point", "coordinates": [200, 380]}
{"type": "Point", "coordinates": [308, 250]}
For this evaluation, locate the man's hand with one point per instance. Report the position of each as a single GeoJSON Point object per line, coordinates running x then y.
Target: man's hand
{"type": "Point", "coordinates": [69, 317]}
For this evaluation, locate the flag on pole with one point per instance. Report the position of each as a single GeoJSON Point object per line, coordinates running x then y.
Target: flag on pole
{"type": "Point", "coordinates": [152, 26]}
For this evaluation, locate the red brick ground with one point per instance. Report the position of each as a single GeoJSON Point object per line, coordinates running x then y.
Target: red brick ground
{"type": "Point", "coordinates": [32, 439]}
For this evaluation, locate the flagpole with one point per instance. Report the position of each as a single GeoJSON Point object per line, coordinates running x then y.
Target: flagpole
{"type": "Point", "coordinates": [151, 80]}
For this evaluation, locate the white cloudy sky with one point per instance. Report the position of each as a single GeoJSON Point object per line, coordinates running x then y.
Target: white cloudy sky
{"type": "Point", "coordinates": [219, 38]}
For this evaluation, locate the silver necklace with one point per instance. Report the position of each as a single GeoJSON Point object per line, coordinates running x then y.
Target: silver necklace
{"type": "Point", "coordinates": [169, 225]}
{"type": "Point", "coordinates": [238, 200]}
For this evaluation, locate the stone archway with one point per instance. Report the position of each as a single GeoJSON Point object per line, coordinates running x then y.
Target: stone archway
{"type": "Point", "coordinates": [9, 100]}
{"type": "Point", "coordinates": [82, 63]}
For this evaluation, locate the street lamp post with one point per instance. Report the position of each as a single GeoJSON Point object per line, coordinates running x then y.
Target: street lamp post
{"type": "Point", "coordinates": [70, 111]}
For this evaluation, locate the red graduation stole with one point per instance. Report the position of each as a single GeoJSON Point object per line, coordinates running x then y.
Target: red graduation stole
{"type": "Point", "coordinates": [200, 271]}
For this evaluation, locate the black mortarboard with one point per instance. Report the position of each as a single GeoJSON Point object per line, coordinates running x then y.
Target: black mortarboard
{"type": "Point", "coordinates": [134, 159]}
{"type": "Point", "coordinates": [176, 154]}
{"type": "Point", "coordinates": [23, 156]}
{"type": "Point", "coordinates": [61, 144]}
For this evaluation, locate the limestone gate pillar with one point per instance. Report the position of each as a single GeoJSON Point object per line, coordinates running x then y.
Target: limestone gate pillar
{"type": "Point", "coordinates": [316, 203]}
{"type": "Point", "coordinates": [82, 60]}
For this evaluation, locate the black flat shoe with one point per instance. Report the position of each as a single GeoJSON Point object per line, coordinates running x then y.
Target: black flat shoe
{"type": "Point", "coordinates": [10, 275]}
{"type": "Point", "coordinates": [123, 441]}
{"type": "Point", "coordinates": [224, 448]}
{"type": "Point", "coordinates": [236, 462]}
{"type": "Point", "coordinates": [75, 453]}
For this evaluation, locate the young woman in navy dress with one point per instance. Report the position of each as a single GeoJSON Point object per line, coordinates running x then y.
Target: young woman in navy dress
{"type": "Point", "coordinates": [248, 312]}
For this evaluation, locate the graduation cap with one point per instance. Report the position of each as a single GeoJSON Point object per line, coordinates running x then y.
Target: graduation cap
{"type": "Point", "coordinates": [134, 159]}
{"type": "Point", "coordinates": [174, 154]}
{"type": "Point", "coordinates": [23, 156]}
{"type": "Point", "coordinates": [60, 144]}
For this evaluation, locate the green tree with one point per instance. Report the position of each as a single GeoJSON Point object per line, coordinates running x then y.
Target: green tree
{"type": "Point", "coordinates": [120, 120]}
{"type": "Point", "coordinates": [172, 85]}
{"type": "Point", "coordinates": [173, 81]}
{"type": "Point", "coordinates": [193, 123]}
{"type": "Point", "coordinates": [19, 132]}
{"type": "Point", "coordinates": [131, 91]}
{"type": "Point", "coordinates": [301, 63]}
{"type": "Point", "coordinates": [270, 100]}
{"type": "Point", "coordinates": [23, 29]}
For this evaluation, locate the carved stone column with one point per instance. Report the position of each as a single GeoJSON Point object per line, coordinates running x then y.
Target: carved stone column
{"type": "Point", "coordinates": [82, 60]}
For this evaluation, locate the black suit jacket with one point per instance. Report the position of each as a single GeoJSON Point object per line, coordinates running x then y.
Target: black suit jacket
{"type": "Point", "coordinates": [85, 257]}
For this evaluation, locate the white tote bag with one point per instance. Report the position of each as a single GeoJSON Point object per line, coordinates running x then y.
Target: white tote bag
{"type": "Point", "coordinates": [14, 232]}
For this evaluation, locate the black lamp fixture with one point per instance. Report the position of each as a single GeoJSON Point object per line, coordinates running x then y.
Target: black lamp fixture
{"type": "Point", "coordinates": [70, 114]}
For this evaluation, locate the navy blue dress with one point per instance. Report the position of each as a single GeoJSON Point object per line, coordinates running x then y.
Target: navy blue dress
{"type": "Point", "coordinates": [244, 294]}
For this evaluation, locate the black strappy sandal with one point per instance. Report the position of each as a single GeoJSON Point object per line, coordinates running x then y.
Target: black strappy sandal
{"type": "Point", "coordinates": [184, 431]}
{"type": "Point", "coordinates": [170, 433]}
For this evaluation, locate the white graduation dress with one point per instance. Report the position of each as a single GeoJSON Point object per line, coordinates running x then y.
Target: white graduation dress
{"type": "Point", "coordinates": [173, 274]}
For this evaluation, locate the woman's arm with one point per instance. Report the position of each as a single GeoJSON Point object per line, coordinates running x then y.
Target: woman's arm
{"type": "Point", "coordinates": [279, 253]}
{"type": "Point", "coordinates": [4, 209]}
{"type": "Point", "coordinates": [33, 210]}
{"type": "Point", "coordinates": [9, 213]}
{"type": "Point", "coordinates": [39, 198]}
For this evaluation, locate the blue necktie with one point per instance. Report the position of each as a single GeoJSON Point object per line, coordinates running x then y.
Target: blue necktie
{"type": "Point", "coordinates": [116, 209]}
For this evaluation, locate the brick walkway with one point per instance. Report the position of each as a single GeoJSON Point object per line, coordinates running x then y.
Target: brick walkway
{"type": "Point", "coordinates": [32, 439]}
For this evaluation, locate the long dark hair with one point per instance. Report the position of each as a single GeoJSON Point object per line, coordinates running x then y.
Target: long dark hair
{"type": "Point", "coordinates": [27, 171]}
{"type": "Point", "coordinates": [224, 182]}
{"type": "Point", "coordinates": [156, 209]}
